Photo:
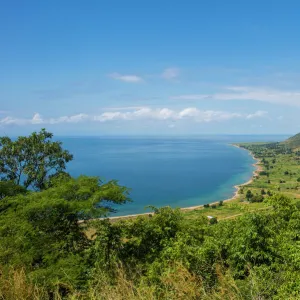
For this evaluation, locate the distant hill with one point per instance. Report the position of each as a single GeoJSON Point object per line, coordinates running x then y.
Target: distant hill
{"type": "Point", "coordinates": [293, 142]}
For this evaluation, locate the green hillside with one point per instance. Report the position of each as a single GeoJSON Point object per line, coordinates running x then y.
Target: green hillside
{"type": "Point", "coordinates": [293, 142]}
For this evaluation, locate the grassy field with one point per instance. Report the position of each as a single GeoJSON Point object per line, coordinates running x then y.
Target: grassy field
{"type": "Point", "coordinates": [227, 210]}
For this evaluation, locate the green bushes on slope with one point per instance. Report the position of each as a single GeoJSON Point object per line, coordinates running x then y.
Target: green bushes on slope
{"type": "Point", "coordinates": [46, 253]}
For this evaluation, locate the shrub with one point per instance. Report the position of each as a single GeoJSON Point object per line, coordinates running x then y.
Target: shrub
{"type": "Point", "coordinates": [249, 195]}
{"type": "Point", "coordinates": [213, 221]}
{"type": "Point", "coordinates": [263, 173]}
{"type": "Point", "coordinates": [257, 198]}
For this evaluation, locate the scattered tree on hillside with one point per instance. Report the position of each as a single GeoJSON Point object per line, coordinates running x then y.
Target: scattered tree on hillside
{"type": "Point", "coordinates": [249, 195]}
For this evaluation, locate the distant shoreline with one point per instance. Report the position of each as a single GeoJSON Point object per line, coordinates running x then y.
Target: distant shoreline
{"type": "Point", "coordinates": [257, 166]}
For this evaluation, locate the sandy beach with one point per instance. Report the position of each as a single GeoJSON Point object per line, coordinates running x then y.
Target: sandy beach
{"type": "Point", "coordinates": [258, 168]}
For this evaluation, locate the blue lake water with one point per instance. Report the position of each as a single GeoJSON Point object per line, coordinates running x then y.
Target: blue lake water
{"type": "Point", "coordinates": [175, 171]}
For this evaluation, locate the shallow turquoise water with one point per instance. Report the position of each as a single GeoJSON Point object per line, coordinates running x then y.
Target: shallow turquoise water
{"type": "Point", "coordinates": [179, 172]}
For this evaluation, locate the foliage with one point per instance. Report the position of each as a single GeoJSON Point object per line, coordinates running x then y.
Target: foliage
{"type": "Point", "coordinates": [41, 230]}
{"type": "Point", "coordinates": [30, 160]}
{"type": "Point", "coordinates": [9, 189]}
{"type": "Point", "coordinates": [47, 253]}
{"type": "Point", "coordinates": [249, 195]}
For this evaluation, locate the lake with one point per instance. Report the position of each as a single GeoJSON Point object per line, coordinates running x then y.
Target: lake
{"type": "Point", "coordinates": [175, 171]}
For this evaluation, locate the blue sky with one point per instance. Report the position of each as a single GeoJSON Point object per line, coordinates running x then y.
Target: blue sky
{"type": "Point", "coordinates": [150, 67]}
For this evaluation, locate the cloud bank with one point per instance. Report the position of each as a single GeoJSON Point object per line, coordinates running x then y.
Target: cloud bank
{"type": "Point", "coordinates": [143, 113]}
{"type": "Point", "coordinates": [249, 93]}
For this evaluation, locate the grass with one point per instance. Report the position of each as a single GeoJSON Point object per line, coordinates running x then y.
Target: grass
{"type": "Point", "coordinates": [177, 283]}
{"type": "Point", "coordinates": [228, 209]}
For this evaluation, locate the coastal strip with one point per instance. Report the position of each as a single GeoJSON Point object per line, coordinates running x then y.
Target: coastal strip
{"type": "Point", "coordinates": [258, 168]}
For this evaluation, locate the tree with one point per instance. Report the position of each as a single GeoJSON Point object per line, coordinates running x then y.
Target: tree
{"type": "Point", "coordinates": [213, 221]}
{"type": "Point", "coordinates": [41, 230]}
{"type": "Point", "coordinates": [249, 195]}
{"type": "Point", "coordinates": [29, 161]}
{"type": "Point", "coordinates": [9, 189]}
{"type": "Point", "coordinates": [257, 198]}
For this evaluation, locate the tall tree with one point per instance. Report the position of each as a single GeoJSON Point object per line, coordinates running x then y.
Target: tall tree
{"type": "Point", "coordinates": [29, 161]}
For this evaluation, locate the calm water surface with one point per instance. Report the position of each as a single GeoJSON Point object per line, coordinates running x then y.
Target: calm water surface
{"type": "Point", "coordinates": [179, 172]}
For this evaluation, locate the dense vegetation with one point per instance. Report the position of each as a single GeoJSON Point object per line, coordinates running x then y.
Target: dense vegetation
{"type": "Point", "coordinates": [51, 248]}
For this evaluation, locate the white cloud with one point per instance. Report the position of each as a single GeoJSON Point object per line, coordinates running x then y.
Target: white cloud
{"type": "Point", "coordinates": [11, 121]}
{"type": "Point", "coordinates": [170, 73]}
{"type": "Point", "coordinates": [144, 113]}
{"type": "Point", "coordinates": [126, 78]}
{"type": "Point", "coordinates": [67, 119]}
{"type": "Point", "coordinates": [207, 115]}
{"type": "Point", "coordinates": [37, 119]}
{"type": "Point", "coordinates": [249, 93]}
{"type": "Point", "coordinates": [257, 114]}
{"type": "Point", "coordinates": [109, 116]}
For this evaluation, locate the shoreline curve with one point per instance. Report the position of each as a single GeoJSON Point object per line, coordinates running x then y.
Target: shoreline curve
{"type": "Point", "coordinates": [237, 187]}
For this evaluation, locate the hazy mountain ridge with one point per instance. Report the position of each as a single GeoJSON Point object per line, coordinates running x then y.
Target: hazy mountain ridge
{"type": "Point", "coordinates": [293, 142]}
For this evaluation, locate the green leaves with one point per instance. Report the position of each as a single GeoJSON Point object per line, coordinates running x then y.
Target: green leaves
{"type": "Point", "coordinates": [9, 189]}
{"type": "Point", "coordinates": [41, 230]}
{"type": "Point", "coordinates": [255, 254]}
{"type": "Point", "coordinates": [29, 161]}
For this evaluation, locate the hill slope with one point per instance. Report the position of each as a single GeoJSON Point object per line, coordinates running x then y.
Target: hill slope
{"type": "Point", "coordinates": [293, 142]}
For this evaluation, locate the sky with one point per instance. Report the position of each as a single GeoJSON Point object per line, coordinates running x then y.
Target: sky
{"type": "Point", "coordinates": [150, 67]}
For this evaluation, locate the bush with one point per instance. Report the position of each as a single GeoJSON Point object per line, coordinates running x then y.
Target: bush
{"type": "Point", "coordinates": [257, 198]}
{"type": "Point", "coordinates": [221, 203]}
{"type": "Point", "coordinates": [213, 221]}
{"type": "Point", "coordinates": [263, 173]}
{"type": "Point", "coordinates": [213, 206]}
{"type": "Point", "coordinates": [206, 205]}
{"type": "Point", "coordinates": [249, 195]}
